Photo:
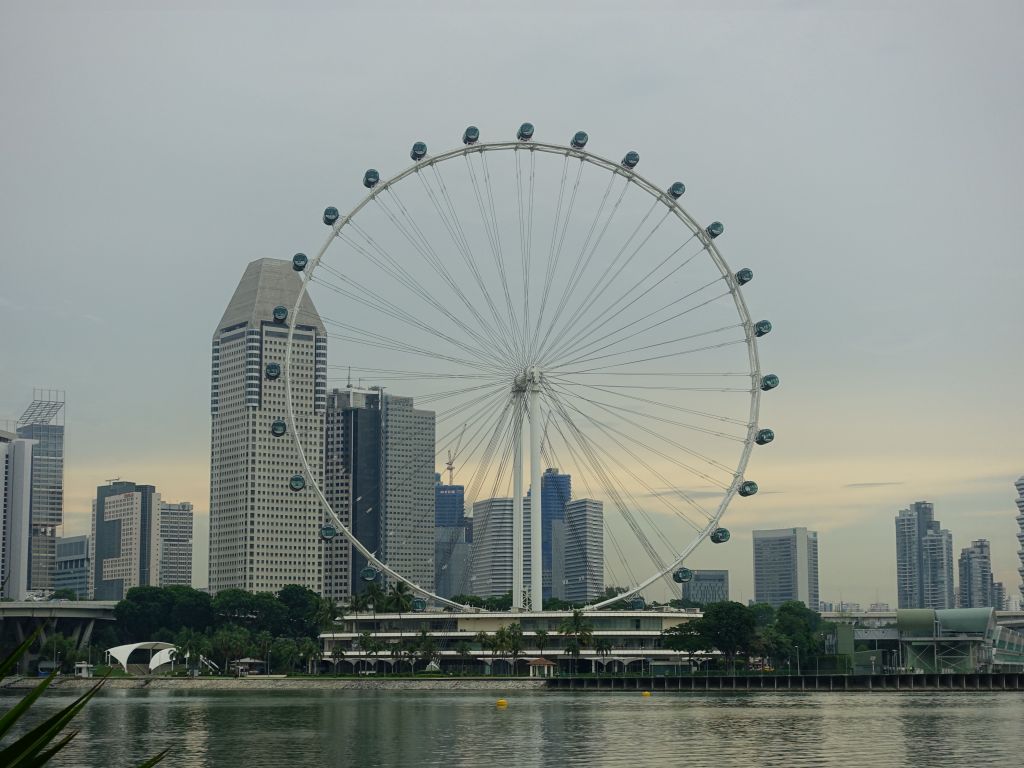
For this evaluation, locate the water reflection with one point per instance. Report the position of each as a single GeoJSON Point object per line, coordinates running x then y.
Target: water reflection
{"type": "Point", "coordinates": [464, 730]}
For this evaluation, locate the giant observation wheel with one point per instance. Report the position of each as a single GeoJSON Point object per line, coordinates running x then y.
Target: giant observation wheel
{"type": "Point", "coordinates": [552, 309]}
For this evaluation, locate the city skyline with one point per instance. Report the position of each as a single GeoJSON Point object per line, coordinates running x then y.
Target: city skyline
{"type": "Point", "coordinates": [880, 403]}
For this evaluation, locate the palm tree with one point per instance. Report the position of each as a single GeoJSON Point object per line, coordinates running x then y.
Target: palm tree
{"type": "Point", "coordinates": [463, 650]}
{"type": "Point", "coordinates": [309, 650]}
{"type": "Point", "coordinates": [578, 633]}
{"type": "Point", "coordinates": [326, 612]}
{"type": "Point", "coordinates": [359, 602]}
{"type": "Point", "coordinates": [540, 639]}
{"type": "Point", "coordinates": [514, 643]}
{"type": "Point", "coordinates": [400, 597]}
{"type": "Point", "coordinates": [603, 646]}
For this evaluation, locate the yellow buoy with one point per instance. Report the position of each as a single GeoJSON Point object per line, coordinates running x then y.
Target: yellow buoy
{"type": "Point", "coordinates": [646, 693]}
{"type": "Point", "coordinates": [501, 703]}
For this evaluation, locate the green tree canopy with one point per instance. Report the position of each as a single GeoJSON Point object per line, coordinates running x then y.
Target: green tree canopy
{"type": "Point", "coordinates": [730, 627]}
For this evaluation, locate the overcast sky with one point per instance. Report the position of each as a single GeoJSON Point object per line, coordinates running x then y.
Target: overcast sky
{"type": "Point", "coordinates": [867, 160]}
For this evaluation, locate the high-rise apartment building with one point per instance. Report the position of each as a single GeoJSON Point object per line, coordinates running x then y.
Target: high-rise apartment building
{"type": "Point", "coordinates": [924, 559]}
{"type": "Point", "coordinates": [492, 546]}
{"type": "Point", "coordinates": [555, 493]}
{"type": "Point", "coordinates": [1019, 485]}
{"type": "Point", "coordinates": [786, 566]}
{"type": "Point", "coordinates": [175, 544]}
{"type": "Point", "coordinates": [584, 550]}
{"type": "Point", "coordinates": [73, 565]}
{"type": "Point", "coordinates": [978, 588]}
{"type": "Point", "coordinates": [124, 545]}
{"type": "Point", "coordinates": [43, 421]}
{"type": "Point", "coordinates": [263, 535]}
{"type": "Point", "coordinates": [707, 587]}
{"type": "Point", "coordinates": [16, 509]}
{"type": "Point", "coordinates": [379, 480]}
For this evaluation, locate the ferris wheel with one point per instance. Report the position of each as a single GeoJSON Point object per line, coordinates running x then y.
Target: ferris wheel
{"type": "Point", "coordinates": [552, 308]}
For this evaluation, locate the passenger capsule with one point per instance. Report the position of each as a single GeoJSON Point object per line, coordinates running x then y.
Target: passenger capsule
{"type": "Point", "coordinates": [525, 132]}
{"type": "Point", "coordinates": [278, 428]}
{"type": "Point", "coordinates": [771, 381]}
{"type": "Point", "coordinates": [744, 276]}
{"type": "Point", "coordinates": [371, 178]}
{"type": "Point", "coordinates": [419, 151]}
{"type": "Point", "coordinates": [328, 532]}
{"type": "Point", "coordinates": [419, 604]}
{"type": "Point", "coordinates": [471, 135]}
{"type": "Point", "coordinates": [764, 436]}
{"type": "Point", "coordinates": [714, 229]}
{"type": "Point", "coordinates": [369, 573]}
{"type": "Point", "coordinates": [280, 314]}
{"type": "Point", "coordinates": [273, 370]}
{"type": "Point", "coordinates": [297, 483]}
{"type": "Point", "coordinates": [299, 262]}
{"type": "Point", "coordinates": [637, 604]}
{"type": "Point", "coordinates": [677, 190]}
{"type": "Point", "coordinates": [720, 535]}
{"type": "Point", "coordinates": [747, 488]}
{"type": "Point", "coordinates": [631, 159]}
{"type": "Point", "coordinates": [762, 328]}
{"type": "Point", "coordinates": [682, 575]}
{"type": "Point", "coordinates": [579, 140]}
{"type": "Point", "coordinates": [331, 215]}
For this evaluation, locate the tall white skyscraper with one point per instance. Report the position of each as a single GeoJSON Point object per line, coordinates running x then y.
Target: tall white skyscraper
{"type": "Point", "coordinates": [175, 543]}
{"type": "Point", "coordinates": [43, 422]}
{"type": "Point", "coordinates": [584, 550]}
{"type": "Point", "coordinates": [16, 510]}
{"type": "Point", "coordinates": [1019, 485]}
{"type": "Point", "coordinates": [492, 546]}
{"type": "Point", "coordinates": [786, 566]}
{"type": "Point", "coordinates": [263, 535]}
{"type": "Point", "coordinates": [924, 559]}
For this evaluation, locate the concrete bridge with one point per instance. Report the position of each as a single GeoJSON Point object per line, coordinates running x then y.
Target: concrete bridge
{"type": "Point", "coordinates": [72, 618]}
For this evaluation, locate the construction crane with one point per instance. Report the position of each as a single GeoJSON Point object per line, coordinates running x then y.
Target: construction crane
{"type": "Point", "coordinates": [450, 467]}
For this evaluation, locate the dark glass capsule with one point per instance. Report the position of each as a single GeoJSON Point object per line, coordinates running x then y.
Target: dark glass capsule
{"type": "Point", "coordinates": [744, 276]}
{"type": "Point", "coordinates": [371, 178]}
{"type": "Point", "coordinates": [369, 573]}
{"type": "Point", "coordinates": [471, 135]}
{"type": "Point", "coordinates": [299, 262]}
{"type": "Point", "coordinates": [278, 428]}
{"type": "Point", "coordinates": [631, 159]}
{"type": "Point", "coordinates": [419, 151]}
{"type": "Point", "coordinates": [747, 488]}
{"type": "Point", "coordinates": [677, 190]}
{"type": "Point", "coordinates": [762, 328]}
{"type": "Point", "coordinates": [525, 132]}
{"type": "Point", "coordinates": [637, 604]}
{"type": "Point", "coordinates": [720, 535]}
{"type": "Point", "coordinates": [771, 381]}
{"type": "Point", "coordinates": [273, 371]}
{"type": "Point", "coordinates": [297, 483]}
{"type": "Point", "coordinates": [682, 576]}
{"type": "Point", "coordinates": [419, 604]}
{"type": "Point", "coordinates": [714, 229]}
{"type": "Point", "coordinates": [328, 532]}
{"type": "Point", "coordinates": [331, 215]}
{"type": "Point", "coordinates": [579, 140]}
{"type": "Point", "coordinates": [280, 314]}
{"type": "Point", "coordinates": [764, 436]}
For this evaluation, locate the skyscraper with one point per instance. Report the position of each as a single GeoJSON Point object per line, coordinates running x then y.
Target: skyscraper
{"type": "Point", "coordinates": [555, 493]}
{"type": "Point", "coordinates": [16, 508]}
{"type": "Point", "coordinates": [707, 587]}
{"type": "Point", "coordinates": [124, 545]}
{"type": "Point", "coordinates": [924, 559]}
{"type": "Point", "coordinates": [379, 479]}
{"type": "Point", "coordinates": [978, 589]}
{"type": "Point", "coordinates": [449, 504]}
{"type": "Point", "coordinates": [175, 544]}
{"type": "Point", "coordinates": [584, 550]}
{"type": "Point", "coordinates": [73, 565]}
{"type": "Point", "coordinates": [1019, 485]}
{"type": "Point", "coordinates": [786, 566]}
{"type": "Point", "coordinates": [492, 546]}
{"type": "Point", "coordinates": [43, 421]}
{"type": "Point", "coordinates": [263, 535]}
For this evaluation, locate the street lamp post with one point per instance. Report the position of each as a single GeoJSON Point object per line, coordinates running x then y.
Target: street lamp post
{"type": "Point", "coordinates": [797, 659]}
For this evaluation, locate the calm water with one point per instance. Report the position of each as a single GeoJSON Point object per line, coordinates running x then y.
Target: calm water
{"type": "Point", "coordinates": [370, 728]}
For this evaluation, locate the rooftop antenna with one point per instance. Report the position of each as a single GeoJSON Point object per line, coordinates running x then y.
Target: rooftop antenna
{"type": "Point", "coordinates": [112, 480]}
{"type": "Point", "coordinates": [349, 385]}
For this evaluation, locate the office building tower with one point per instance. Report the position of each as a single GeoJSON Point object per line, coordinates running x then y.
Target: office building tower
{"type": "Point", "coordinates": [978, 588]}
{"type": "Point", "coordinates": [124, 545]}
{"type": "Point", "coordinates": [999, 596]}
{"type": "Point", "coordinates": [492, 547]}
{"type": "Point", "coordinates": [555, 493]}
{"type": "Point", "coordinates": [379, 480]}
{"type": "Point", "coordinates": [16, 508]}
{"type": "Point", "coordinates": [264, 535]}
{"type": "Point", "coordinates": [73, 565]}
{"type": "Point", "coordinates": [924, 559]}
{"type": "Point", "coordinates": [786, 566]}
{"type": "Point", "coordinates": [449, 504]}
{"type": "Point", "coordinates": [707, 587]}
{"type": "Point", "coordinates": [1019, 485]}
{"type": "Point", "coordinates": [558, 580]}
{"type": "Point", "coordinates": [584, 550]}
{"type": "Point", "coordinates": [452, 559]}
{"type": "Point", "coordinates": [175, 544]}
{"type": "Point", "coordinates": [43, 421]}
